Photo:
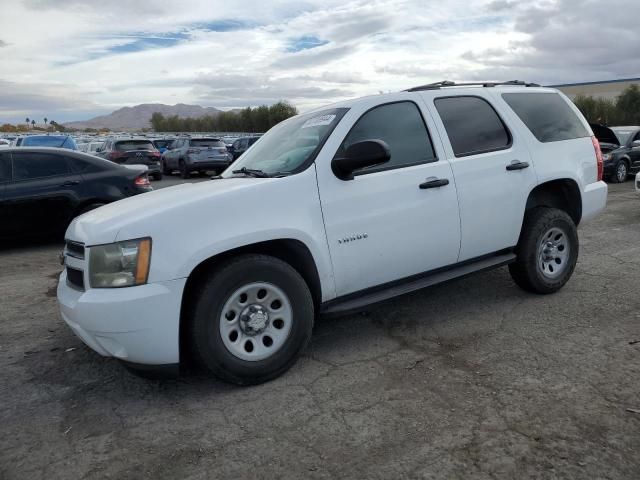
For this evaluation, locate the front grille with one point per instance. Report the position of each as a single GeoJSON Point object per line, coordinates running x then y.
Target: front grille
{"type": "Point", "coordinates": [75, 249]}
{"type": "Point", "coordinates": [75, 278]}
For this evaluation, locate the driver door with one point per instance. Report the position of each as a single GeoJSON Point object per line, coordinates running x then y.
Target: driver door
{"type": "Point", "coordinates": [385, 224]}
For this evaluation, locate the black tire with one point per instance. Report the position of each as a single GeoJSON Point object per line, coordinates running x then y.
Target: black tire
{"type": "Point", "coordinates": [184, 171]}
{"type": "Point", "coordinates": [204, 319]}
{"type": "Point", "coordinates": [620, 172]}
{"type": "Point", "coordinates": [165, 170]}
{"type": "Point", "coordinates": [527, 271]}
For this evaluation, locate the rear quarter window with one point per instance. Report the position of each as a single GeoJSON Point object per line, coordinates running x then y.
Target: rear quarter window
{"type": "Point", "coordinates": [547, 116]}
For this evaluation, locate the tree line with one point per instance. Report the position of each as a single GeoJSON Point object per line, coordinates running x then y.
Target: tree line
{"type": "Point", "coordinates": [251, 120]}
{"type": "Point", "coordinates": [623, 110]}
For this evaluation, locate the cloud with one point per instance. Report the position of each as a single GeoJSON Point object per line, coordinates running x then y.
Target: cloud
{"type": "Point", "coordinates": [566, 40]}
{"type": "Point", "coordinates": [18, 100]}
{"type": "Point", "coordinates": [90, 55]}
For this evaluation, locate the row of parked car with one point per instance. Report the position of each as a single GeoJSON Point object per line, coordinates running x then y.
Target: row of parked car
{"type": "Point", "coordinates": [161, 156]}
{"type": "Point", "coordinates": [47, 180]}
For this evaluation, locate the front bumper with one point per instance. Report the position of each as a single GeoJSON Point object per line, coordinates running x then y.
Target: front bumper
{"type": "Point", "coordinates": [134, 324]}
{"type": "Point", "coordinates": [594, 200]}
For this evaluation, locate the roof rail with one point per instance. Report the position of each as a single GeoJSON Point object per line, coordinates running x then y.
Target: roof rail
{"type": "Point", "coordinates": [447, 83]}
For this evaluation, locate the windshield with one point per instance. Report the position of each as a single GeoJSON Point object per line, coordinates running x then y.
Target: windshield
{"type": "Point", "coordinates": [288, 145]}
{"type": "Point", "coordinates": [44, 141]}
{"type": "Point", "coordinates": [206, 142]}
{"type": "Point", "coordinates": [134, 145]}
{"type": "Point", "coordinates": [623, 134]}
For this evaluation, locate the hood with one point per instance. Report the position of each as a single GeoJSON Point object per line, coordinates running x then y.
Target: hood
{"type": "Point", "coordinates": [605, 136]}
{"type": "Point", "coordinates": [103, 224]}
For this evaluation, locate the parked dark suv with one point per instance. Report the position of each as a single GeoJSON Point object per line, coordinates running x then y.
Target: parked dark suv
{"type": "Point", "coordinates": [133, 151]}
{"type": "Point", "coordinates": [43, 189]}
{"type": "Point", "coordinates": [620, 151]}
{"type": "Point", "coordinates": [241, 145]}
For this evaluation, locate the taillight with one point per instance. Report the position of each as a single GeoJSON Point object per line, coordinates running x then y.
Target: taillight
{"type": "Point", "coordinates": [142, 181]}
{"type": "Point", "coordinates": [155, 154]}
{"type": "Point", "coordinates": [599, 160]}
{"type": "Point", "coordinates": [113, 156]}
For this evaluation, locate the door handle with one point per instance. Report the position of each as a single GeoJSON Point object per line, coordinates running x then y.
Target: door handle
{"type": "Point", "coordinates": [70, 183]}
{"type": "Point", "coordinates": [433, 182]}
{"type": "Point", "coordinates": [516, 165]}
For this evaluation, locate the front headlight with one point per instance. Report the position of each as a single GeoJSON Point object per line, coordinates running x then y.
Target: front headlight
{"type": "Point", "coordinates": [121, 264]}
{"type": "Point", "coordinates": [606, 157]}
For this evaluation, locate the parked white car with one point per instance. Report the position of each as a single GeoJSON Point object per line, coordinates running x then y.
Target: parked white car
{"type": "Point", "coordinates": [330, 211]}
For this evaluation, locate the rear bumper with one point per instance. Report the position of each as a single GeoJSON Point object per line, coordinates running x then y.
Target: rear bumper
{"type": "Point", "coordinates": [208, 165]}
{"type": "Point", "coordinates": [138, 325]}
{"type": "Point", "coordinates": [594, 200]}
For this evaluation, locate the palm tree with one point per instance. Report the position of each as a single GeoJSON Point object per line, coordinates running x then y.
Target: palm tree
{"type": "Point", "coordinates": [26, 120]}
{"type": "Point", "coordinates": [33, 123]}
{"type": "Point", "coordinates": [45, 121]}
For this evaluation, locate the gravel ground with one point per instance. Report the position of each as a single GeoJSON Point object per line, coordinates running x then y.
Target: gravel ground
{"type": "Point", "coordinates": [474, 379]}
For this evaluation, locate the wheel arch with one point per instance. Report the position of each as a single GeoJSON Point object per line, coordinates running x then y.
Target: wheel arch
{"type": "Point", "coordinates": [563, 194]}
{"type": "Point", "coordinates": [292, 251]}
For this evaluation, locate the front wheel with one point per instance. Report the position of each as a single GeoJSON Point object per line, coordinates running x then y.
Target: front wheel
{"type": "Point", "coordinates": [547, 251]}
{"type": "Point", "coordinates": [252, 318]}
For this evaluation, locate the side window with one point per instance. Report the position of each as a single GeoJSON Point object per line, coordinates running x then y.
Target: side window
{"type": "Point", "coordinates": [236, 144]}
{"type": "Point", "coordinates": [547, 116]}
{"type": "Point", "coordinates": [5, 167]}
{"type": "Point", "coordinates": [401, 126]}
{"type": "Point", "coordinates": [82, 166]}
{"type": "Point", "coordinates": [473, 126]}
{"type": "Point", "coordinates": [27, 166]}
{"type": "Point", "coordinates": [636, 138]}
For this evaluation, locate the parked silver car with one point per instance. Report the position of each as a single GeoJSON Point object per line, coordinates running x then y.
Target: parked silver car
{"type": "Point", "coordinates": [190, 155]}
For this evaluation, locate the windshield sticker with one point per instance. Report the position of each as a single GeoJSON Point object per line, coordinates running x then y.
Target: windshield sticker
{"type": "Point", "coordinates": [318, 121]}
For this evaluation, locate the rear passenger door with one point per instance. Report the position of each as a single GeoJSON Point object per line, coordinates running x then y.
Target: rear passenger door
{"type": "Point", "coordinates": [42, 195]}
{"type": "Point", "coordinates": [492, 170]}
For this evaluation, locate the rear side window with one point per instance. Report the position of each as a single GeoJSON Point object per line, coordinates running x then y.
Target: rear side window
{"type": "Point", "coordinates": [27, 166]}
{"type": "Point", "coordinates": [547, 115]}
{"type": "Point", "coordinates": [86, 166]}
{"type": "Point", "coordinates": [5, 167]}
{"type": "Point", "coordinates": [473, 126]}
{"type": "Point", "coordinates": [399, 125]}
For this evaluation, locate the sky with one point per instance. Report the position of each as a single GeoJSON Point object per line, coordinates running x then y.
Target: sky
{"type": "Point", "coordinates": [75, 59]}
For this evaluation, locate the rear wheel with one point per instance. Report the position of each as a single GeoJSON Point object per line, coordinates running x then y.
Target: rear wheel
{"type": "Point", "coordinates": [547, 251]}
{"type": "Point", "coordinates": [164, 168]}
{"type": "Point", "coordinates": [184, 171]}
{"type": "Point", "coordinates": [621, 172]}
{"type": "Point", "coordinates": [252, 318]}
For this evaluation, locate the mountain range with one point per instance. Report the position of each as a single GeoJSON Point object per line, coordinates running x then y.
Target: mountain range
{"type": "Point", "coordinates": [137, 117]}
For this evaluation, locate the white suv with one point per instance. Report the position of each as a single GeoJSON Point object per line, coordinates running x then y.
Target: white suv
{"type": "Point", "coordinates": [330, 211]}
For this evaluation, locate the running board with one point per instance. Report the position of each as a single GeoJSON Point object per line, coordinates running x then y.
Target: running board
{"type": "Point", "coordinates": [357, 301]}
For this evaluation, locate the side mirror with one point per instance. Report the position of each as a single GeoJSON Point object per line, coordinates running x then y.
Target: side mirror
{"type": "Point", "coordinates": [635, 144]}
{"type": "Point", "coordinates": [367, 153]}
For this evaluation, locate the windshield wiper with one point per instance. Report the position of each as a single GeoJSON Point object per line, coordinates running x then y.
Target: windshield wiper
{"type": "Point", "coordinates": [252, 173]}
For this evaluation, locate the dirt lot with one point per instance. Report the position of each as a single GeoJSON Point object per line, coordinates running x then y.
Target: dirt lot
{"type": "Point", "coordinates": [475, 379]}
